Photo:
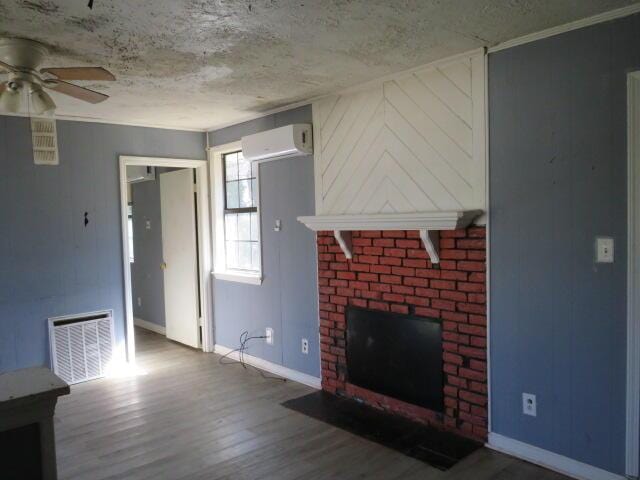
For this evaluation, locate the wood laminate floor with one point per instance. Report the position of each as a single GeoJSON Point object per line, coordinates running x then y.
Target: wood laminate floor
{"type": "Point", "coordinates": [189, 417]}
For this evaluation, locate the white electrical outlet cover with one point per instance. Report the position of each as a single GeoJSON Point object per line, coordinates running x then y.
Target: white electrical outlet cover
{"type": "Point", "coordinates": [269, 335]}
{"type": "Point", "coordinates": [529, 404]}
{"type": "Point", "coordinates": [305, 346]}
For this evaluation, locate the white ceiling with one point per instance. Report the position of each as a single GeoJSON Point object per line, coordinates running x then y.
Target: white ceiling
{"type": "Point", "coordinates": [199, 64]}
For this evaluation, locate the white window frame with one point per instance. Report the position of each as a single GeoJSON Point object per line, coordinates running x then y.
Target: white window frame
{"type": "Point", "coordinates": [221, 272]}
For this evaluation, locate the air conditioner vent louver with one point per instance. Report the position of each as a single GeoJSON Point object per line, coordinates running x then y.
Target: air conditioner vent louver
{"type": "Point", "coordinates": [45, 141]}
{"type": "Point", "coordinates": [81, 345]}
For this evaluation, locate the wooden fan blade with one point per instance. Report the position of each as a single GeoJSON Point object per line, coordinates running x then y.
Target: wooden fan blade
{"type": "Point", "coordinates": [75, 91]}
{"type": "Point", "coordinates": [81, 73]}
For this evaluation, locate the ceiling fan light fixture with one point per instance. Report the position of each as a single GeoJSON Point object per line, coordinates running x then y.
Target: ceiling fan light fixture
{"type": "Point", "coordinates": [10, 100]}
{"type": "Point", "coordinates": [21, 58]}
{"type": "Point", "coordinates": [41, 101]}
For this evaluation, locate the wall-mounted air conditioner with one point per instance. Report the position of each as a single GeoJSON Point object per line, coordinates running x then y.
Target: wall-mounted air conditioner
{"type": "Point", "coordinates": [81, 345]}
{"type": "Point", "coordinates": [140, 173]}
{"type": "Point", "coordinates": [288, 141]}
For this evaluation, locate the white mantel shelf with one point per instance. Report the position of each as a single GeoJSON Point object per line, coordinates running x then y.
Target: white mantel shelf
{"type": "Point", "coordinates": [427, 223]}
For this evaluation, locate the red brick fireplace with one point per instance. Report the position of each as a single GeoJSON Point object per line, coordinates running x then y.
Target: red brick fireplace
{"type": "Point", "coordinates": [391, 271]}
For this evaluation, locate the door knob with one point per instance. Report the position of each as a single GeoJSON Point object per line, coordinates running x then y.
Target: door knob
{"type": "Point", "coordinates": [163, 266]}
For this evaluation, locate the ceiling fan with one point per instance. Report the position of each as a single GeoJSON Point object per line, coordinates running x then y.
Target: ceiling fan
{"type": "Point", "coordinates": [20, 58]}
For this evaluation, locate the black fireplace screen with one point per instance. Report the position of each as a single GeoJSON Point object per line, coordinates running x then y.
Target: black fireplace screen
{"type": "Point", "coordinates": [396, 355]}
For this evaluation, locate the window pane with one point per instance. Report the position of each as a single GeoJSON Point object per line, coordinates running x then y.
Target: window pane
{"type": "Point", "coordinates": [231, 226]}
{"type": "Point", "coordinates": [244, 226]}
{"type": "Point", "coordinates": [232, 254]}
{"type": "Point", "coordinates": [255, 229]}
{"type": "Point", "coordinates": [244, 187]}
{"type": "Point", "coordinates": [244, 255]}
{"type": "Point", "coordinates": [255, 257]}
{"type": "Point", "coordinates": [244, 167]}
{"type": "Point", "coordinates": [231, 164]}
{"type": "Point", "coordinates": [232, 195]}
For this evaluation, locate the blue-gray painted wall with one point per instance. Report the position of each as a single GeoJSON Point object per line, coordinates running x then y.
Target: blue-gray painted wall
{"type": "Point", "coordinates": [557, 119]}
{"type": "Point", "coordinates": [50, 264]}
{"type": "Point", "coordinates": [147, 279]}
{"type": "Point", "coordinates": [287, 300]}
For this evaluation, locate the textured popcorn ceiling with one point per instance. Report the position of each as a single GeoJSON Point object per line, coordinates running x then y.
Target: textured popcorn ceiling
{"type": "Point", "coordinates": [198, 64]}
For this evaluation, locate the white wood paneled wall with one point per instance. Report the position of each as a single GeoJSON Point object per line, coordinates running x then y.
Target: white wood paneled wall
{"type": "Point", "coordinates": [413, 143]}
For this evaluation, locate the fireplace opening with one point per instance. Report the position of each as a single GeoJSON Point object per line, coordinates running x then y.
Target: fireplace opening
{"type": "Point", "coordinates": [396, 355]}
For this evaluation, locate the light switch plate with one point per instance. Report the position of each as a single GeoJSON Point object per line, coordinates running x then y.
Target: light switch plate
{"type": "Point", "coordinates": [604, 250]}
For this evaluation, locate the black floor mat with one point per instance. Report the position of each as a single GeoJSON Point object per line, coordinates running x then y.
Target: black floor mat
{"type": "Point", "coordinates": [439, 449]}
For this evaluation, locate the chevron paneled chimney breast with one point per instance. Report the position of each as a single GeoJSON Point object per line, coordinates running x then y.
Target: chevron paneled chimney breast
{"type": "Point", "coordinates": [412, 143]}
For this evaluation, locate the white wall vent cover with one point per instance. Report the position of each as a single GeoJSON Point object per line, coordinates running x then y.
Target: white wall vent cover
{"type": "Point", "coordinates": [81, 345]}
{"type": "Point", "coordinates": [45, 141]}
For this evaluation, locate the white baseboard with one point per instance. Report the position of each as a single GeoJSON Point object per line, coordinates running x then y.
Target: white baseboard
{"type": "Point", "coordinates": [138, 322]}
{"type": "Point", "coordinates": [270, 367]}
{"type": "Point", "coordinates": [550, 460]}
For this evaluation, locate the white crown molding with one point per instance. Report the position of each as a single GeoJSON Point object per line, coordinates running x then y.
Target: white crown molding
{"type": "Point", "coordinates": [547, 459]}
{"type": "Point", "coordinates": [138, 322]}
{"type": "Point", "coordinates": [72, 118]}
{"type": "Point", "coordinates": [270, 367]}
{"type": "Point", "coordinates": [438, 220]}
{"type": "Point", "coordinates": [567, 27]}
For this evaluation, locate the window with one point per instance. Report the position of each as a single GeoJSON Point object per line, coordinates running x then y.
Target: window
{"type": "Point", "coordinates": [238, 249]}
{"type": "Point", "coordinates": [241, 230]}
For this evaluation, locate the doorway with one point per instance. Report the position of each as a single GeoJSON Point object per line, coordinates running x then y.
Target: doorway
{"type": "Point", "coordinates": [166, 249]}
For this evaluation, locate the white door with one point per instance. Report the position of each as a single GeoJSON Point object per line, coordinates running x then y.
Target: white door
{"type": "Point", "coordinates": [180, 258]}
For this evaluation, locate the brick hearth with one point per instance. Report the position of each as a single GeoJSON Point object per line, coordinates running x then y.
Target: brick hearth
{"type": "Point", "coordinates": [391, 271]}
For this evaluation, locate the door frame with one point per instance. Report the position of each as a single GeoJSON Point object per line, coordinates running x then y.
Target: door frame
{"type": "Point", "coordinates": [201, 168]}
{"type": "Point", "coordinates": [633, 275]}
